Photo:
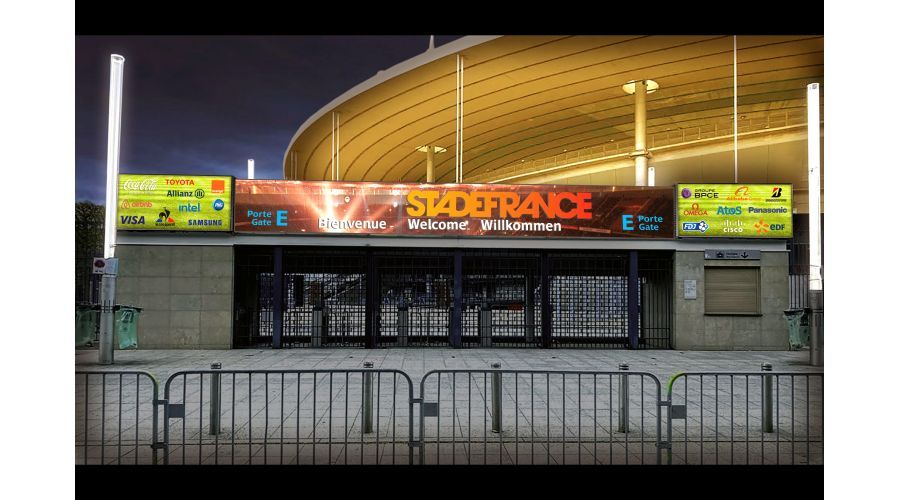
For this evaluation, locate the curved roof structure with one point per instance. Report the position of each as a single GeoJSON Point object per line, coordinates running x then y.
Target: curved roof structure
{"type": "Point", "coordinates": [552, 109]}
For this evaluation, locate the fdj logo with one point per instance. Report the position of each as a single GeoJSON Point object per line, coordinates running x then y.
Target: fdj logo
{"type": "Point", "coordinates": [776, 192]}
{"type": "Point", "coordinates": [131, 219]}
{"type": "Point", "coordinates": [218, 205]}
{"type": "Point", "coordinates": [701, 226]}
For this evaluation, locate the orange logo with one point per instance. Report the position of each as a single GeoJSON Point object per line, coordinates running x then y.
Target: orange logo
{"type": "Point", "coordinates": [562, 205]}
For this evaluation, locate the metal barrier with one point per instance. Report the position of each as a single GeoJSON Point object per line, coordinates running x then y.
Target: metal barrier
{"type": "Point", "coordinates": [116, 419]}
{"type": "Point", "coordinates": [288, 417]}
{"type": "Point", "coordinates": [543, 417]}
{"type": "Point", "coordinates": [746, 418]}
{"type": "Point", "coordinates": [366, 416]}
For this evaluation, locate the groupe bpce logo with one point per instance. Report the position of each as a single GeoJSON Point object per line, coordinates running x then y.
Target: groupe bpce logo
{"type": "Point", "coordinates": [144, 185]}
{"type": "Point", "coordinates": [685, 193]}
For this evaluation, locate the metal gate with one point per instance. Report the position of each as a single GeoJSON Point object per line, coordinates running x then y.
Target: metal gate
{"type": "Point", "coordinates": [416, 297]}
{"type": "Point", "coordinates": [253, 291]}
{"type": "Point", "coordinates": [589, 299]}
{"type": "Point", "coordinates": [501, 299]}
{"type": "Point", "coordinates": [316, 296]}
{"type": "Point", "coordinates": [324, 297]}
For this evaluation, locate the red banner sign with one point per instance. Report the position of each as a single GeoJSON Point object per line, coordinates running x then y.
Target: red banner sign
{"type": "Point", "coordinates": [299, 207]}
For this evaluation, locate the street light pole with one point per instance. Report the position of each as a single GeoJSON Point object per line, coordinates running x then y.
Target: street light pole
{"type": "Point", "coordinates": [108, 281]}
{"type": "Point", "coordinates": [816, 288]}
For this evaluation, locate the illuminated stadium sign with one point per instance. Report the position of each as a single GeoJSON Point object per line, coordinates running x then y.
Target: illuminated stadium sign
{"type": "Point", "coordinates": [735, 210]}
{"type": "Point", "coordinates": [174, 203]}
{"type": "Point", "coordinates": [298, 207]}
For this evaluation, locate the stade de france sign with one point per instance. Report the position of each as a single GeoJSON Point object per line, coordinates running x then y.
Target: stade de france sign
{"type": "Point", "coordinates": [466, 210]}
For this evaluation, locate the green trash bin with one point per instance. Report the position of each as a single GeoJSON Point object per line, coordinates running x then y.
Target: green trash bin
{"type": "Point", "coordinates": [86, 318]}
{"type": "Point", "coordinates": [126, 326]}
{"type": "Point", "coordinates": [798, 326]}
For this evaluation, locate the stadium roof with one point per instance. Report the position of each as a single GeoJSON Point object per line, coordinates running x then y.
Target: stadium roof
{"type": "Point", "coordinates": [552, 109]}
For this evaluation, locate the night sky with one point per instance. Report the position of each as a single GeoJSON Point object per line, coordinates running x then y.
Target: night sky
{"type": "Point", "coordinates": [204, 105]}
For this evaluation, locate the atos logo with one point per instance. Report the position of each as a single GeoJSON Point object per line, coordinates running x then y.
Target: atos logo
{"type": "Point", "coordinates": [218, 205]}
{"type": "Point", "coordinates": [131, 219]}
{"type": "Point", "coordinates": [701, 226]}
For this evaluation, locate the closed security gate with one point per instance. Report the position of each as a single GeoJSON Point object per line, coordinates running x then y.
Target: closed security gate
{"type": "Point", "coordinates": [388, 297]}
{"type": "Point", "coordinates": [416, 297]}
{"type": "Point", "coordinates": [589, 299]}
{"type": "Point", "coordinates": [500, 299]}
{"type": "Point", "coordinates": [324, 298]}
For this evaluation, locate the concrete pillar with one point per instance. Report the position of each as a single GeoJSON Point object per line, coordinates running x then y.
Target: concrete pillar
{"type": "Point", "coordinates": [429, 164]}
{"type": "Point", "coordinates": [640, 133]}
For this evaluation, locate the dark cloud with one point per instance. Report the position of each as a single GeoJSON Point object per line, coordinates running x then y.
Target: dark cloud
{"type": "Point", "coordinates": [206, 104]}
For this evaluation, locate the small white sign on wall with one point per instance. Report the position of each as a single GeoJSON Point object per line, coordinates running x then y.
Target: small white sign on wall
{"type": "Point", "coordinates": [690, 289]}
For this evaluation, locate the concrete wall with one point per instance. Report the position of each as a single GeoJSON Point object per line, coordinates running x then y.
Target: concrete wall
{"type": "Point", "coordinates": [186, 293]}
{"type": "Point", "coordinates": [696, 331]}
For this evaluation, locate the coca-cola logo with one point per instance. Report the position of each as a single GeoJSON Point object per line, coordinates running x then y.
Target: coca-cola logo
{"type": "Point", "coordinates": [137, 204]}
{"type": "Point", "coordinates": [144, 185]}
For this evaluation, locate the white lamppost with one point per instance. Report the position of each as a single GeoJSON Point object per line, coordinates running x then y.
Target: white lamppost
{"type": "Point", "coordinates": [816, 288]}
{"type": "Point", "coordinates": [108, 281]}
{"type": "Point", "coordinates": [251, 168]}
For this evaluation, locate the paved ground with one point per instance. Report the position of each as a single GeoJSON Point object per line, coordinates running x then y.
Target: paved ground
{"type": "Point", "coordinates": [417, 361]}
{"type": "Point", "coordinates": [544, 418]}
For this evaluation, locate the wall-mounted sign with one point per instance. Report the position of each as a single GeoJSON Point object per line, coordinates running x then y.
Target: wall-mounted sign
{"type": "Point", "coordinates": [690, 289]}
{"type": "Point", "coordinates": [731, 254]}
{"type": "Point", "coordinates": [735, 210]}
{"type": "Point", "coordinates": [106, 266]}
{"type": "Point", "coordinates": [549, 211]}
{"type": "Point", "coordinates": [174, 203]}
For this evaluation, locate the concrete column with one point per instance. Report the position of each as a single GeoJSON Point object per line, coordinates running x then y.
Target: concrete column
{"type": "Point", "coordinates": [429, 164]}
{"type": "Point", "coordinates": [640, 133]}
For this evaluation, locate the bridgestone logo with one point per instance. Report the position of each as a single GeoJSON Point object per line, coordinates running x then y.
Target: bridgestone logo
{"type": "Point", "coordinates": [144, 185]}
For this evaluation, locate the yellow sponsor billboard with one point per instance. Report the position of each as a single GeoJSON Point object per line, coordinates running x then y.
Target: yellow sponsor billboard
{"type": "Point", "coordinates": [174, 203]}
{"type": "Point", "coordinates": [735, 210]}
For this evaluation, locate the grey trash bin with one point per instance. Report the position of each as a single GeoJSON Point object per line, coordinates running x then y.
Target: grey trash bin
{"type": "Point", "coordinates": [798, 327]}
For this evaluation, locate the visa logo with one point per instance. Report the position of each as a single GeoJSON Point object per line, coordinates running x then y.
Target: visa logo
{"type": "Point", "coordinates": [132, 219]}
